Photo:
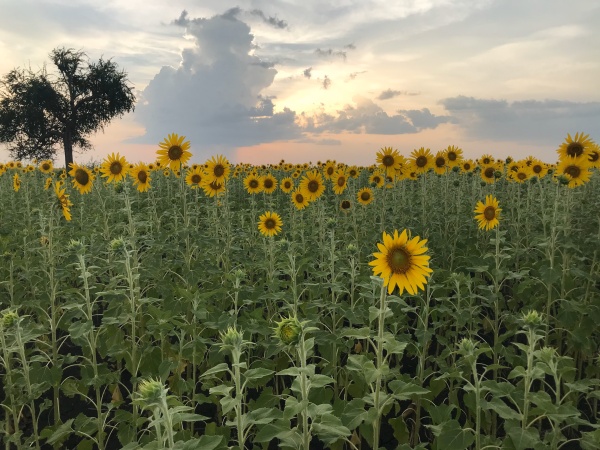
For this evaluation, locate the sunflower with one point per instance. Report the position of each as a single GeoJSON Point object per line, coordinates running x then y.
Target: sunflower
{"type": "Point", "coordinates": [581, 144]}
{"type": "Point", "coordinates": [82, 178]}
{"type": "Point", "coordinates": [488, 173]}
{"type": "Point", "coordinates": [594, 156]}
{"type": "Point", "coordinates": [16, 182]}
{"type": "Point", "coordinates": [47, 183]}
{"type": "Point", "coordinates": [269, 224]}
{"type": "Point", "coordinates": [440, 162]}
{"type": "Point", "coordinates": [522, 174]}
{"type": "Point", "coordinates": [312, 185]}
{"type": "Point", "coordinates": [166, 172]}
{"type": "Point", "coordinates": [141, 177]}
{"type": "Point", "coordinates": [389, 161]}
{"type": "Point", "coordinates": [173, 151]}
{"type": "Point", "coordinates": [364, 196]}
{"type": "Point", "coordinates": [577, 170]}
{"type": "Point", "coordinates": [488, 213]}
{"type": "Point", "coordinates": [486, 160]}
{"type": "Point", "coordinates": [345, 205]}
{"type": "Point", "coordinates": [252, 183]}
{"type": "Point", "coordinates": [64, 202]}
{"type": "Point", "coordinates": [422, 159]}
{"type": "Point", "coordinates": [194, 177]}
{"type": "Point", "coordinates": [353, 172]}
{"type": "Point", "coordinates": [454, 156]}
{"type": "Point", "coordinates": [376, 179]}
{"type": "Point", "coordinates": [46, 167]}
{"type": "Point", "coordinates": [218, 169]}
{"type": "Point", "coordinates": [340, 181]}
{"type": "Point", "coordinates": [329, 169]}
{"type": "Point", "coordinates": [299, 200]}
{"type": "Point", "coordinates": [115, 168]}
{"type": "Point", "coordinates": [402, 262]}
{"type": "Point", "coordinates": [268, 183]}
{"type": "Point", "coordinates": [212, 187]}
{"type": "Point", "coordinates": [287, 185]}
{"type": "Point", "coordinates": [539, 169]}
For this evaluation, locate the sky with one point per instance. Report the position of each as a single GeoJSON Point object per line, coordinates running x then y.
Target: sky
{"type": "Point", "coordinates": [305, 80]}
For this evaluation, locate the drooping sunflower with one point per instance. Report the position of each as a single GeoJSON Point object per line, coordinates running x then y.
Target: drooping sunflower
{"type": "Point", "coordinates": [252, 183]}
{"type": "Point", "coordinates": [173, 151]}
{"type": "Point", "coordinates": [114, 168]}
{"type": "Point", "coordinates": [377, 179]}
{"type": "Point", "coordinates": [141, 177]}
{"type": "Point", "coordinates": [63, 199]}
{"type": "Point", "coordinates": [389, 161]}
{"type": "Point", "coordinates": [269, 183]}
{"type": "Point", "coordinates": [454, 156]}
{"type": "Point", "coordinates": [574, 147]}
{"type": "Point", "coordinates": [212, 187]}
{"type": "Point", "coordinates": [269, 223]}
{"type": "Point", "coordinates": [218, 169]}
{"type": "Point", "coordinates": [287, 185]}
{"type": "Point", "coordinates": [440, 163]}
{"type": "Point", "coordinates": [82, 178]}
{"type": "Point", "coordinates": [488, 213]}
{"type": "Point", "coordinates": [46, 167]}
{"type": "Point", "coordinates": [16, 182]}
{"type": "Point", "coordinates": [364, 196]}
{"type": "Point", "coordinates": [312, 185]}
{"type": "Point", "coordinates": [340, 181]}
{"type": "Point", "coordinates": [422, 159]}
{"type": "Point", "coordinates": [401, 261]}
{"type": "Point", "coordinates": [577, 170]}
{"type": "Point", "coordinates": [194, 177]}
{"type": "Point", "coordinates": [299, 200]}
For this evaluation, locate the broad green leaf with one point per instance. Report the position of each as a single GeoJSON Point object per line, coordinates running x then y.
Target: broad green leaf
{"type": "Point", "coordinates": [216, 369]}
{"type": "Point", "coordinates": [404, 391]}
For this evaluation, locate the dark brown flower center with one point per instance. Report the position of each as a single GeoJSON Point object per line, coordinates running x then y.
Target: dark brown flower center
{"type": "Point", "coordinates": [365, 196]}
{"type": "Point", "coordinates": [452, 156]}
{"type": "Point", "coordinates": [142, 176]}
{"type": "Point", "coordinates": [388, 160]}
{"type": "Point", "coordinates": [116, 168]}
{"type": "Point", "coordinates": [489, 213]}
{"type": "Point", "coordinates": [82, 177]}
{"type": "Point", "coordinates": [329, 170]}
{"type": "Point", "coordinates": [353, 173]}
{"type": "Point", "coordinates": [346, 204]}
{"type": "Point", "coordinates": [219, 170]}
{"type": "Point", "coordinates": [522, 176]}
{"type": "Point", "coordinates": [287, 184]}
{"type": "Point", "coordinates": [46, 166]}
{"type": "Point", "coordinates": [489, 172]}
{"type": "Point", "coordinates": [467, 166]}
{"type": "Point", "coordinates": [573, 171]}
{"type": "Point", "coordinates": [398, 260]}
{"type": "Point", "coordinates": [421, 161]}
{"type": "Point", "coordinates": [313, 186]}
{"type": "Point", "coordinates": [537, 168]}
{"type": "Point", "coordinates": [574, 149]}
{"type": "Point", "coordinates": [175, 153]}
{"type": "Point", "coordinates": [196, 178]}
{"type": "Point", "coordinates": [341, 181]}
{"type": "Point", "coordinates": [440, 161]}
{"type": "Point", "coordinates": [376, 180]}
{"type": "Point", "coordinates": [594, 155]}
{"type": "Point", "coordinates": [270, 223]}
{"type": "Point", "coordinates": [253, 183]}
{"type": "Point", "coordinates": [215, 186]}
{"type": "Point", "coordinates": [268, 183]}
{"type": "Point", "coordinates": [299, 197]}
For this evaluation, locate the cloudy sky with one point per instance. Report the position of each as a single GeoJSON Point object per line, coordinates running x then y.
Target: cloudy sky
{"type": "Point", "coordinates": [307, 80]}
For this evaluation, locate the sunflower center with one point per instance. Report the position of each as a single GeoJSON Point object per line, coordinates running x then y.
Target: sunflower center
{"type": "Point", "coordinates": [489, 172]}
{"type": "Point", "coordinates": [573, 171]}
{"type": "Point", "coordinates": [365, 196]}
{"type": "Point", "coordinates": [46, 166]}
{"type": "Point", "coordinates": [341, 181]}
{"type": "Point", "coordinates": [452, 156]}
{"type": "Point", "coordinates": [376, 180]}
{"type": "Point", "coordinates": [82, 177]}
{"type": "Point", "coordinates": [196, 178]}
{"type": "Point", "coordinates": [299, 197]}
{"type": "Point", "coordinates": [486, 160]}
{"type": "Point", "coordinates": [388, 160]}
{"type": "Point", "coordinates": [253, 184]}
{"type": "Point", "coordinates": [521, 176]}
{"type": "Point", "coordinates": [142, 176]}
{"type": "Point", "coordinates": [116, 168]}
{"type": "Point", "coordinates": [421, 161]}
{"type": "Point", "coordinates": [175, 153]}
{"type": "Point", "coordinates": [467, 166]}
{"type": "Point", "coordinates": [313, 186]}
{"type": "Point", "coordinates": [268, 183]}
{"type": "Point", "coordinates": [287, 185]}
{"type": "Point", "coordinates": [346, 204]}
{"type": "Point", "coordinates": [330, 171]}
{"type": "Point", "coordinates": [537, 168]}
{"type": "Point", "coordinates": [270, 224]}
{"type": "Point", "coordinates": [489, 213]}
{"type": "Point", "coordinates": [399, 260]}
{"type": "Point", "coordinates": [594, 156]}
{"type": "Point", "coordinates": [574, 149]}
{"type": "Point", "coordinates": [353, 173]}
{"type": "Point", "coordinates": [215, 186]}
{"type": "Point", "coordinates": [440, 162]}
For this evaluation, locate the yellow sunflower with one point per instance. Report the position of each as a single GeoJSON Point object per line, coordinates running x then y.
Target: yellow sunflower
{"type": "Point", "coordinates": [488, 173]}
{"type": "Point", "coordinates": [488, 213]}
{"type": "Point", "coordinates": [521, 174]}
{"type": "Point", "coordinates": [467, 166]}
{"type": "Point", "coordinates": [340, 181]}
{"type": "Point", "coordinates": [218, 169]}
{"type": "Point", "coordinates": [299, 200]}
{"type": "Point", "coordinates": [353, 172]}
{"type": "Point", "coordinates": [287, 185]}
{"type": "Point", "coordinates": [422, 160]}
{"type": "Point", "coordinates": [82, 178]}
{"type": "Point", "coordinates": [16, 182]}
{"type": "Point", "coordinates": [580, 145]}
{"type": "Point", "coordinates": [377, 179]}
{"type": "Point", "coordinates": [64, 202]}
{"type": "Point", "coordinates": [454, 156]}
{"type": "Point", "coordinates": [269, 183]}
{"type": "Point", "coordinates": [194, 177]}
{"type": "Point", "coordinates": [539, 169]}
{"type": "Point", "coordinates": [440, 163]}
{"type": "Point", "coordinates": [47, 183]}
{"type": "Point", "coordinates": [115, 168]}
{"type": "Point", "coordinates": [486, 160]}
{"type": "Point", "coordinates": [364, 196]}
{"type": "Point", "coordinates": [594, 156]}
{"type": "Point", "coordinates": [46, 167]}
{"type": "Point", "coordinates": [401, 261]}
{"type": "Point", "coordinates": [141, 177]}
{"type": "Point", "coordinates": [577, 170]}
{"type": "Point", "coordinates": [389, 161]}
{"type": "Point", "coordinates": [212, 187]}
{"type": "Point", "coordinates": [329, 169]}
{"type": "Point", "coordinates": [252, 183]}
{"type": "Point", "coordinates": [312, 185]}
{"type": "Point", "coordinates": [173, 151]}
{"type": "Point", "coordinates": [269, 224]}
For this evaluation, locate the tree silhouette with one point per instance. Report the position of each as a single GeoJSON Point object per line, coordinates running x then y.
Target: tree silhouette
{"type": "Point", "coordinates": [39, 111]}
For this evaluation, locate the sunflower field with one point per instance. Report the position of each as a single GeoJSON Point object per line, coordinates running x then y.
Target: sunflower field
{"type": "Point", "coordinates": [426, 301]}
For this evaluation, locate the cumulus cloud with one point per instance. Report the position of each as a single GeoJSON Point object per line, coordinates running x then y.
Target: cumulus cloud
{"type": "Point", "coordinates": [215, 97]}
{"type": "Point", "coordinates": [542, 122]}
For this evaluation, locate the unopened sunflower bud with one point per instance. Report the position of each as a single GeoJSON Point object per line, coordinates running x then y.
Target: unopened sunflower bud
{"type": "Point", "coordinates": [232, 338]}
{"type": "Point", "coordinates": [289, 331]}
{"type": "Point", "coordinates": [455, 169]}
{"type": "Point", "coordinates": [9, 318]}
{"type": "Point", "coordinates": [352, 249]}
{"type": "Point", "coordinates": [532, 319]}
{"type": "Point", "coordinates": [151, 392]}
{"type": "Point", "coordinates": [75, 245]}
{"type": "Point", "coordinates": [466, 347]}
{"type": "Point", "coordinates": [117, 245]}
{"type": "Point", "coordinates": [562, 179]}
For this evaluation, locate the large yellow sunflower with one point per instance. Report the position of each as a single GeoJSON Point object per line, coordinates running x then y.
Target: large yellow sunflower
{"type": "Point", "coordinates": [389, 161]}
{"type": "Point", "coordinates": [63, 199]}
{"type": "Point", "coordinates": [402, 262]}
{"type": "Point", "coordinates": [269, 183]}
{"type": "Point", "coordinates": [212, 187]}
{"type": "Point", "coordinates": [46, 167]}
{"type": "Point", "coordinates": [252, 183]}
{"type": "Point", "coordinates": [173, 151]}
{"type": "Point", "coordinates": [422, 159]}
{"type": "Point", "coordinates": [218, 169]}
{"type": "Point", "coordinates": [577, 170]}
{"type": "Point", "coordinates": [364, 196]}
{"type": "Point", "coordinates": [340, 181]}
{"type": "Point", "coordinates": [312, 185]}
{"type": "Point", "coordinates": [539, 169]}
{"type": "Point", "coordinates": [467, 166]}
{"type": "Point", "coordinates": [82, 178]}
{"type": "Point", "coordinates": [194, 177]}
{"type": "Point", "coordinates": [114, 167]}
{"type": "Point", "coordinates": [141, 177]}
{"type": "Point", "coordinates": [487, 213]}
{"type": "Point", "coordinates": [454, 156]}
{"type": "Point", "coordinates": [269, 224]}
{"type": "Point", "coordinates": [580, 145]}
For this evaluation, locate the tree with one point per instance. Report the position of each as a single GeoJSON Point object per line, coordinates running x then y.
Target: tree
{"type": "Point", "coordinates": [39, 111]}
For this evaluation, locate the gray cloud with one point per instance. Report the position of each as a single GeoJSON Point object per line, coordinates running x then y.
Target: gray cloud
{"type": "Point", "coordinates": [330, 53]}
{"type": "Point", "coordinates": [350, 47]}
{"type": "Point", "coordinates": [326, 82]}
{"type": "Point", "coordinates": [390, 93]}
{"type": "Point", "coordinates": [215, 96]}
{"type": "Point", "coordinates": [307, 72]}
{"type": "Point", "coordinates": [544, 122]}
{"type": "Point", "coordinates": [233, 14]}
{"type": "Point", "coordinates": [274, 21]}
{"type": "Point", "coordinates": [353, 75]}
{"type": "Point", "coordinates": [319, 141]}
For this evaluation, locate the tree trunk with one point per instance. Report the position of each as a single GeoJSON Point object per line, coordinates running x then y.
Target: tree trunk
{"type": "Point", "coordinates": [68, 146]}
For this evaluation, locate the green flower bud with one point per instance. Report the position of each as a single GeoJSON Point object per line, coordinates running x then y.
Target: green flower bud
{"type": "Point", "coordinates": [455, 169]}
{"type": "Point", "coordinates": [466, 347]}
{"type": "Point", "coordinates": [76, 246]}
{"type": "Point", "coordinates": [232, 338]}
{"type": "Point", "coordinates": [562, 179]}
{"type": "Point", "coordinates": [456, 183]}
{"type": "Point", "coordinates": [151, 392]}
{"type": "Point", "coordinates": [117, 245]}
{"type": "Point", "coordinates": [288, 331]}
{"type": "Point", "coordinates": [532, 319]}
{"type": "Point", "coordinates": [352, 249]}
{"type": "Point", "coordinates": [119, 187]}
{"type": "Point", "coordinates": [9, 318]}
{"type": "Point", "coordinates": [498, 174]}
